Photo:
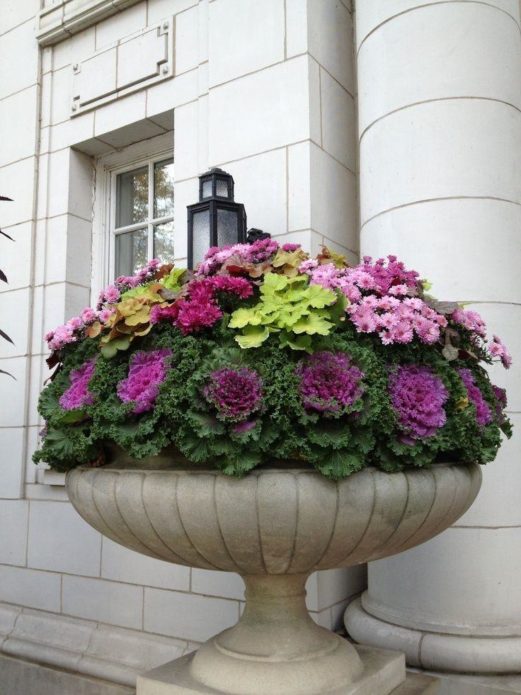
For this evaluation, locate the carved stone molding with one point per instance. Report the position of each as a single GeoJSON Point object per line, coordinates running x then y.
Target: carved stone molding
{"type": "Point", "coordinates": [114, 653]}
{"type": "Point", "coordinates": [133, 63]}
{"type": "Point", "coordinates": [67, 17]}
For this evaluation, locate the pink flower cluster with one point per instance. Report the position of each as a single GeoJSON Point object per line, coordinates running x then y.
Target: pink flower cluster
{"type": "Point", "coordinates": [72, 331]}
{"type": "Point", "coordinates": [418, 397]}
{"type": "Point", "coordinates": [235, 393]}
{"type": "Point", "coordinates": [470, 320]}
{"type": "Point", "coordinates": [329, 382]}
{"type": "Point", "coordinates": [198, 308]}
{"type": "Point", "coordinates": [78, 394]}
{"type": "Point", "coordinates": [382, 298]}
{"type": "Point", "coordinates": [146, 373]}
{"type": "Point", "coordinates": [216, 257]}
{"type": "Point", "coordinates": [112, 293]}
{"type": "Point", "coordinates": [498, 349]}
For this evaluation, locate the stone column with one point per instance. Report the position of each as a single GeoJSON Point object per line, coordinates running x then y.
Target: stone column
{"type": "Point", "coordinates": [440, 186]}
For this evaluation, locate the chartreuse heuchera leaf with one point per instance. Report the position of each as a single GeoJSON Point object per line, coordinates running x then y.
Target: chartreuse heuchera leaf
{"type": "Point", "coordinates": [263, 353]}
{"type": "Point", "coordinates": [289, 306]}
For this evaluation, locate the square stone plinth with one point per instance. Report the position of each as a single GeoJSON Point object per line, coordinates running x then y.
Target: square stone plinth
{"type": "Point", "coordinates": [383, 672]}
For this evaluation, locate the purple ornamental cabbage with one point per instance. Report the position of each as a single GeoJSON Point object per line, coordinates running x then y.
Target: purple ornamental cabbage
{"type": "Point", "coordinates": [235, 393]}
{"type": "Point", "coordinates": [78, 394]}
{"type": "Point", "coordinates": [329, 382]}
{"type": "Point", "coordinates": [146, 373]}
{"type": "Point", "coordinates": [418, 397]}
{"type": "Point", "coordinates": [483, 411]}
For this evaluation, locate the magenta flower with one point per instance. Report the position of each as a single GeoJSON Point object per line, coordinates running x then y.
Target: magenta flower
{"type": "Point", "coordinates": [329, 382]}
{"type": "Point", "coordinates": [78, 394]}
{"type": "Point", "coordinates": [235, 393]}
{"type": "Point", "coordinates": [501, 403]}
{"type": "Point", "coordinates": [483, 411]}
{"type": "Point", "coordinates": [235, 285]}
{"type": "Point", "coordinates": [146, 373]}
{"type": "Point", "coordinates": [418, 397]}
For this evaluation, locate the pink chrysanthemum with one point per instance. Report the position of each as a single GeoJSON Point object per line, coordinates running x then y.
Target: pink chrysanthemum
{"type": "Point", "coordinates": [146, 373]}
{"type": "Point", "coordinates": [483, 411]}
{"type": "Point", "coordinates": [235, 393]}
{"type": "Point", "coordinates": [418, 397]}
{"type": "Point", "coordinates": [78, 394]}
{"type": "Point", "coordinates": [329, 382]}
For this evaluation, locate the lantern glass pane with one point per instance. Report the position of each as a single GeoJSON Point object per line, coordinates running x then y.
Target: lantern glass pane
{"type": "Point", "coordinates": [164, 189]}
{"type": "Point", "coordinates": [222, 188]}
{"type": "Point", "coordinates": [227, 227]}
{"type": "Point", "coordinates": [201, 235]}
{"type": "Point", "coordinates": [164, 242]}
{"type": "Point", "coordinates": [131, 251]}
{"type": "Point", "coordinates": [132, 197]}
{"type": "Point", "coordinates": [207, 189]}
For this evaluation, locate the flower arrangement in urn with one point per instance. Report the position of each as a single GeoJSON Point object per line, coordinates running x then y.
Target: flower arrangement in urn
{"type": "Point", "coordinates": [263, 352]}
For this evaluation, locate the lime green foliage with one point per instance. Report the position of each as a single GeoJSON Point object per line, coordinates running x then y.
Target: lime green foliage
{"type": "Point", "coordinates": [174, 280]}
{"type": "Point", "coordinates": [291, 307]}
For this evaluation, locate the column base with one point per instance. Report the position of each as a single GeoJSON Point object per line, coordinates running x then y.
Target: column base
{"type": "Point", "coordinates": [383, 672]}
{"type": "Point", "coordinates": [436, 651]}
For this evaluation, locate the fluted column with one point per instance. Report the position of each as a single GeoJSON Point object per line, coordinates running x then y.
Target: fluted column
{"type": "Point", "coordinates": [440, 186]}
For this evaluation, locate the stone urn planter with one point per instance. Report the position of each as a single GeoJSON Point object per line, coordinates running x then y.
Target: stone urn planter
{"type": "Point", "coordinates": [274, 527]}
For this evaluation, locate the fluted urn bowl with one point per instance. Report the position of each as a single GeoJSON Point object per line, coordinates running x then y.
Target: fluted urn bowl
{"type": "Point", "coordinates": [274, 527]}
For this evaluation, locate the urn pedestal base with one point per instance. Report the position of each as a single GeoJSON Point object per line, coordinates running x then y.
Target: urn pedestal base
{"type": "Point", "coordinates": [383, 673]}
{"type": "Point", "coordinates": [277, 649]}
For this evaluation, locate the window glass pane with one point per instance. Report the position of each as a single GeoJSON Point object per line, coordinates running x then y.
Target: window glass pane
{"type": "Point", "coordinates": [131, 251]}
{"type": "Point", "coordinates": [201, 235]}
{"type": "Point", "coordinates": [227, 227]}
{"type": "Point", "coordinates": [132, 197]}
{"type": "Point", "coordinates": [164, 242]}
{"type": "Point", "coordinates": [164, 189]}
{"type": "Point", "coordinates": [222, 188]}
{"type": "Point", "coordinates": [207, 189]}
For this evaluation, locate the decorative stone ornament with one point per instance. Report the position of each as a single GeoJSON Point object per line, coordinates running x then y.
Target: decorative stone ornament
{"type": "Point", "coordinates": [274, 527]}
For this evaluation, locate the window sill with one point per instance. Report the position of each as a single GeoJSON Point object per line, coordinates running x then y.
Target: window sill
{"type": "Point", "coordinates": [67, 17]}
{"type": "Point", "coordinates": [48, 477]}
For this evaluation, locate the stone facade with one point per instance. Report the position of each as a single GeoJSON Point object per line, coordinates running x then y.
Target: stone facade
{"type": "Point", "coordinates": [263, 90]}
{"type": "Point", "coordinates": [267, 91]}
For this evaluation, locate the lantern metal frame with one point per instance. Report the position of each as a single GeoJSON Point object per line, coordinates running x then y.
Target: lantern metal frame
{"type": "Point", "coordinates": [213, 204]}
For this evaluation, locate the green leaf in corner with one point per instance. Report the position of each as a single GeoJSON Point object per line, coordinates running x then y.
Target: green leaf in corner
{"type": "Point", "coordinates": [252, 337]}
{"type": "Point", "coordinates": [110, 349]}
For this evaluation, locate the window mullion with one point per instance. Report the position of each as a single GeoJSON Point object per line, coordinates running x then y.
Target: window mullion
{"type": "Point", "coordinates": [150, 210]}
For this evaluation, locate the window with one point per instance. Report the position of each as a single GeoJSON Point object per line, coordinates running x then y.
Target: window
{"type": "Point", "coordinates": [142, 202]}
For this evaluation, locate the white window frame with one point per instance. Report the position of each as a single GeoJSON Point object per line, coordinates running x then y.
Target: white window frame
{"type": "Point", "coordinates": [108, 166]}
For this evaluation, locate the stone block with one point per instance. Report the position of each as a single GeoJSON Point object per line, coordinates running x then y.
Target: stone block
{"type": "Point", "coordinates": [338, 121]}
{"type": "Point", "coordinates": [333, 199]}
{"type": "Point", "coordinates": [462, 155]}
{"type": "Point", "coordinates": [331, 39]}
{"type": "Point", "coordinates": [186, 40]}
{"type": "Point", "coordinates": [187, 616]}
{"type": "Point", "coordinates": [108, 602]}
{"type": "Point", "coordinates": [12, 417]}
{"type": "Point", "coordinates": [27, 587]}
{"type": "Point", "coordinates": [13, 519]}
{"type": "Point", "coordinates": [18, 42]}
{"type": "Point", "coordinates": [62, 94]}
{"type": "Point", "coordinates": [220, 584]}
{"type": "Point", "coordinates": [15, 317]}
{"type": "Point", "coordinates": [434, 37]}
{"type": "Point", "coordinates": [17, 182]}
{"type": "Point", "coordinates": [296, 27]}
{"type": "Point", "coordinates": [260, 112]}
{"type": "Point", "coordinates": [120, 25]}
{"type": "Point", "coordinates": [260, 179]}
{"type": "Point", "coordinates": [254, 36]}
{"type": "Point", "coordinates": [18, 114]}
{"type": "Point", "coordinates": [162, 9]}
{"type": "Point", "coordinates": [56, 532]}
{"type": "Point", "coordinates": [299, 186]}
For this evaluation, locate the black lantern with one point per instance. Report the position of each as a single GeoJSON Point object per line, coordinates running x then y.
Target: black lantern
{"type": "Point", "coordinates": [216, 220]}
